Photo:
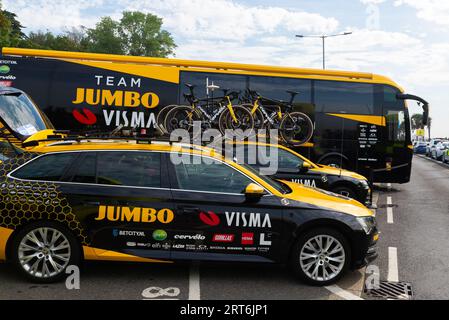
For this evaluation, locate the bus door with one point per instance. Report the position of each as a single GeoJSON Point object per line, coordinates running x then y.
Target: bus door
{"type": "Point", "coordinates": [396, 137]}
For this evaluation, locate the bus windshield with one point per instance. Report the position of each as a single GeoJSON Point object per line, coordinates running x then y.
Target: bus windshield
{"type": "Point", "coordinates": [20, 114]}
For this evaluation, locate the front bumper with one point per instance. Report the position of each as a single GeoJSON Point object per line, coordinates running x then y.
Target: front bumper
{"type": "Point", "coordinates": [370, 254]}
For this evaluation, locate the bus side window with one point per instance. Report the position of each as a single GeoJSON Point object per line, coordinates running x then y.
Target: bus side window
{"type": "Point", "coordinates": [344, 97]}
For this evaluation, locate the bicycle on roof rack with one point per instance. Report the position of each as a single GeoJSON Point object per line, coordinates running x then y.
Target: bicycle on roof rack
{"type": "Point", "coordinates": [211, 112]}
{"type": "Point", "coordinates": [295, 128]}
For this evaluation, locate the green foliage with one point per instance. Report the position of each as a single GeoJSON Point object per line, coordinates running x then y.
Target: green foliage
{"type": "Point", "coordinates": [142, 35]}
{"type": "Point", "coordinates": [416, 121]}
{"type": "Point", "coordinates": [136, 33]}
{"type": "Point", "coordinates": [10, 29]}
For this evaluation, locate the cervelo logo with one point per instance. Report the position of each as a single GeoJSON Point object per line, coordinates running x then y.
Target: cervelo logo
{"type": "Point", "coordinates": [223, 238]}
{"type": "Point", "coordinates": [189, 237]}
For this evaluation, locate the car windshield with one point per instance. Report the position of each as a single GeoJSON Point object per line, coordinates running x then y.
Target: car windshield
{"type": "Point", "coordinates": [280, 187]}
{"type": "Point", "coordinates": [20, 114]}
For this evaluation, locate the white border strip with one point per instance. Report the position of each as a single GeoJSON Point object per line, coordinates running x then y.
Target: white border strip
{"type": "Point", "coordinates": [390, 219]}
{"type": "Point", "coordinates": [343, 293]}
{"type": "Point", "coordinates": [393, 273]}
{"type": "Point", "coordinates": [194, 282]}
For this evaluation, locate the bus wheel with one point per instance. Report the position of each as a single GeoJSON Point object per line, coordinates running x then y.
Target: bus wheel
{"type": "Point", "coordinates": [42, 251]}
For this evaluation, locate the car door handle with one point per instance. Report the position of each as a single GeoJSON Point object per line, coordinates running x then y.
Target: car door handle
{"type": "Point", "coordinates": [189, 210]}
{"type": "Point", "coordinates": [92, 203]}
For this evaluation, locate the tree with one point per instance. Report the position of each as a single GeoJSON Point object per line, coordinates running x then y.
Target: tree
{"type": "Point", "coordinates": [10, 29]}
{"type": "Point", "coordinates": [142, 35]}
{"type": "Point", "coordinates": [416, 121]}
{"type": "Point", "coordinates": [429, 125]}
{"type": "Point", "coordinates": [135, 34]}
{"type": "Point", "coordinates": [105, 37]}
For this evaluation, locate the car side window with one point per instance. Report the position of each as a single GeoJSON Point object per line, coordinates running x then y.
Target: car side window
{"type": "Point", "coordinates": [86, 170]}
{"type": "Point", "coordinates": [211, 177]}
{"type": "Point", "coordinates": [50, 167]}
{"type": "Point", "coordinates": [285, 159]}
{"type": "Point", "coordinates": [138, 169]}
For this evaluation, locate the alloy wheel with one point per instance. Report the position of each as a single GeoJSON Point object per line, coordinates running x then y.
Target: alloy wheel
{"type": "Point", "coordinates": [44, 252]}
{"type": "Point", "coordinates": [322, 258]}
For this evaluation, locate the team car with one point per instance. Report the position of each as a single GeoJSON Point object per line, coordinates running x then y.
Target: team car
{"type": "Point", "coordinates": [294, 167]}
{"type": "Point", "coordinates": [65, 199]}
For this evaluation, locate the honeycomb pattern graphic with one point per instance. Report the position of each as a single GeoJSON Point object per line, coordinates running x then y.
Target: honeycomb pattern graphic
{"type": "Point", "coordinates": [23, 202]}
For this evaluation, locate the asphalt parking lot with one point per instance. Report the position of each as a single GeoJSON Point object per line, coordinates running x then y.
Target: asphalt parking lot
{"type": "Point", "coordinates": [413, 219]}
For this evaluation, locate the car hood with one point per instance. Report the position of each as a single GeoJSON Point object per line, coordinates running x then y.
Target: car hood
{"type": "Point", "coordinates": [337, 172]}
{"type": "Point", "coordinates": [327, 200]}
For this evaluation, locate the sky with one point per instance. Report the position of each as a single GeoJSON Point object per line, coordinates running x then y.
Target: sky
{"type": "Point", "coordinates": [407, 40]}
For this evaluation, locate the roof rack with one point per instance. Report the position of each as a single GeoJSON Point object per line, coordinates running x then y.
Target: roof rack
{"type": "Point", "coordinates": [59, 139]}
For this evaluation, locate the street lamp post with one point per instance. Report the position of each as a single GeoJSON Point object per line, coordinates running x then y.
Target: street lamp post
{"type": "Point", "coordinates": [323, 38]}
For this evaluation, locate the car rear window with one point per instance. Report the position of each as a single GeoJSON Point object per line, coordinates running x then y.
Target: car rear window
{"type": "Point", "coordinates": [49, 167]}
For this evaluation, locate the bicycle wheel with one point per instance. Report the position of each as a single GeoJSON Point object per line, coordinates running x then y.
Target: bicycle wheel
{"type": "Point", "coordinates": [259, 119]}
{"type": "Point", "coordinates": [180, 117]}
{"type": "Point", "coordinates": [160, 119]}
{"type": "Point", "coordinates": [296, 128]}
{"type": "Point", "coordinates": [245, 120]}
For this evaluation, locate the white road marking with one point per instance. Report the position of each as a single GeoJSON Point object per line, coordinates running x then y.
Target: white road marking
{"type": "Point", "coordinates": [390, 219]}
{"type": "Point", "coordinates": [343, 293]}
{"type": "Point", "coordinates": [194, 282]}
{"type": "Point", "coordinates": [393, 273]}
{"type": "Point", "coordinates": [154, 293]}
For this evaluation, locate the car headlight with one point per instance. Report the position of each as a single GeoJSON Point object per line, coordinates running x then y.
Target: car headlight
{"type": "Point", "coordinates": [367, 223]}
{"type": "Point", "coordinates": [364, 184]}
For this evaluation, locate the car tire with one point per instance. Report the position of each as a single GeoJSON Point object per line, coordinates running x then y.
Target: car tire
{"type": "Point", "coordinates": [53, 247]}
{"type": "Point", "coordinates": [308, 261]}
{"type": "Point", "coordinates": [345, 191]}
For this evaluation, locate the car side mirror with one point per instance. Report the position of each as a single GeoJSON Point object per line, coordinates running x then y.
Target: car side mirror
{"type": "Point", "coordinates": [254, 191]}
{"type": "Point", "coordinates": [305, 167]}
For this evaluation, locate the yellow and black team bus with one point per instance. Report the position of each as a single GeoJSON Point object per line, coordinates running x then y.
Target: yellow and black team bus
{"type": "Point", "coordinates": [361, 120]}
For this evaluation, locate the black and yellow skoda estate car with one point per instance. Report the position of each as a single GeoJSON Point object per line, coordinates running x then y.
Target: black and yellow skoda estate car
{"type": "Point", "coordinates": [66, 200]}
{"type": "Point", "coordinates": [294, 167]}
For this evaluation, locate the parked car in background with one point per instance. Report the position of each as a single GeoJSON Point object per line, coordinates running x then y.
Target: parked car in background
{"type": "Point", "coordinates": [420, 147]}
{"type": "Point", "coordinates": [440, 148]}
{"type": "Point", "coordinates": [432, 144]}
{"type": "Point", "coordinates": [445, 158]}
